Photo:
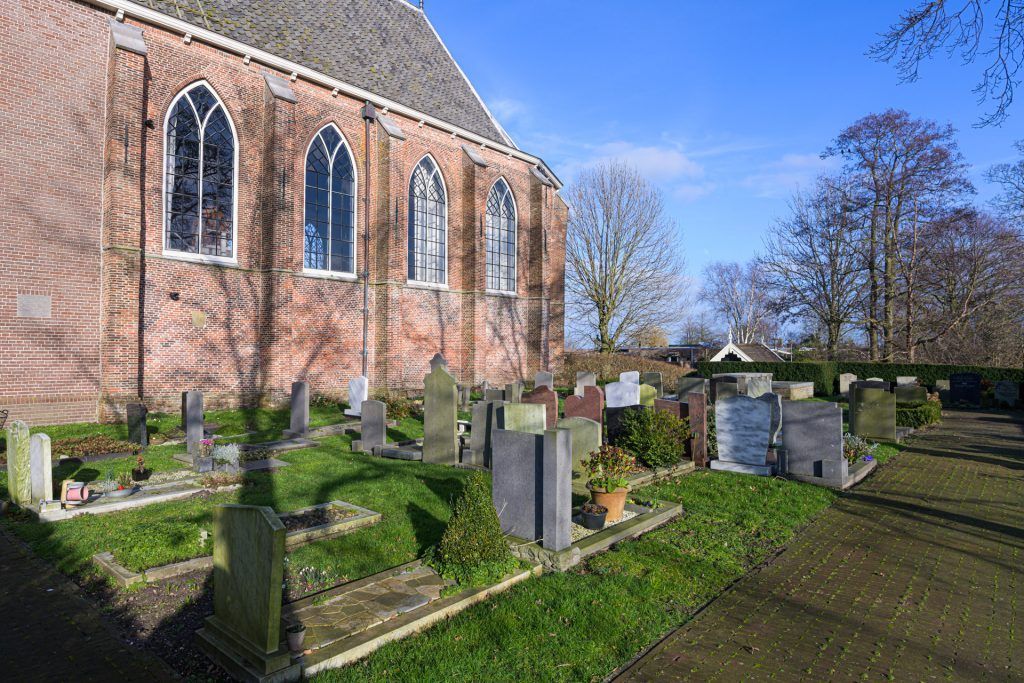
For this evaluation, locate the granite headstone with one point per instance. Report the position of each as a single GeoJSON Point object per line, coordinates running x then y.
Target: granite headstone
{"type": "Point", "coordinates": [440, 417]}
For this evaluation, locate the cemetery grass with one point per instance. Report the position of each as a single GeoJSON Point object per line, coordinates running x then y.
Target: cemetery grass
{"type": "Point", "coordinates": [582, 624]}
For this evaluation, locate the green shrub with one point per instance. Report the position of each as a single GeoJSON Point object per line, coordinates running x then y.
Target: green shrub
{"type": "Point", "coordinates": [607, 367]}
{"type": "Point", "coordinates": [712, 439]}
{"type": "Point", "coordinates": [81, 446]}
{"type": "Point", "coordinates": [919, 414]}
{"type": "Point", "coordinates": [473, 551]}
{"type": "Point", "coordinates": [655, 437]}
{"type": "Point", "coordinates": [823, 373]}
{"type": "Point", "coordinates": [398, 406]}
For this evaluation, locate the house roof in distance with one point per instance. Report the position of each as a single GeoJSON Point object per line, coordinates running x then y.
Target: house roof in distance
{"type": "Point", "coordinates": [750, 353]}
{"type": "Point", "coordinates": [387, 47]}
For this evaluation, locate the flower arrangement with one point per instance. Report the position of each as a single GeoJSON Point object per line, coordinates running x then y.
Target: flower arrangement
{"type": "Point", "coordinates": [856, 448]}
{"type": "Point", "coordinates": [205, 447]}
{"type": "Point", "coordinates": [609, 468]}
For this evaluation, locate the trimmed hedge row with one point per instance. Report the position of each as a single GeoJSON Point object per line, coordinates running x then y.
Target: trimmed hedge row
{"type": "Point", "coordinates": [825, 374]}
{"type": "Point", "coordinates": [918, 415]}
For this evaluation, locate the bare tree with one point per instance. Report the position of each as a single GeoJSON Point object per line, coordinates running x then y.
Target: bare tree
{"type": "Point", "coordinates": [937, 25]}
{"type": "Point", "coordinates": [1011, 178]}
{"type": "Point", "coordinates": [812, 265]}
{"type": "Point", "coordinates": [623, 265]}
{"type": "Point", "coordinates": [698, 328]}
{"type": "Point", "coordinates": [738, 293]}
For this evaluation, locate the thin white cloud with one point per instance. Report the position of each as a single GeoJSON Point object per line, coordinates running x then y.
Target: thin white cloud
{"type": "Point", "coordinates": [507, 109]}
{"type": "Point", "coordinates": [660, 164]}
{"type": "Point", "coordinates": [790, 172]}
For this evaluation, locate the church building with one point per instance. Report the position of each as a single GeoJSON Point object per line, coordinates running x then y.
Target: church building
{"type": "Point", "coordinates": [230, 196]}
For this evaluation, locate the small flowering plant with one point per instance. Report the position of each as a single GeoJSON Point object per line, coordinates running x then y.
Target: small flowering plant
{"type": "Point", "coordinates": [205, 447]}
{"type": "Point", "coordinates": [856, 448]}
{"type": "Point", "coordinates": [609, 468]}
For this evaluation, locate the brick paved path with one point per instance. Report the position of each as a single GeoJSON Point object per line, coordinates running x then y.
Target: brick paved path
{"type": "Point", "coordinates": [915, 575]}
{"type": "Point", "coordinates": [49, 633]}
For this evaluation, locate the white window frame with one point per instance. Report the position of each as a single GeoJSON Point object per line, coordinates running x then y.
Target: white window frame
{"type": "Point", "coordinates": [515, 262]}
{"type": "Point", "coordinates": [187, 255]}
{"type": "Point", "coordinates": [447, 246]}
{"type": "Point", "coordinates": [320, 272]}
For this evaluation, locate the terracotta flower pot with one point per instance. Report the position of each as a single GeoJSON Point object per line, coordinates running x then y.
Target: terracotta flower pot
{"type": "Point", "coordinates": [615, 501]}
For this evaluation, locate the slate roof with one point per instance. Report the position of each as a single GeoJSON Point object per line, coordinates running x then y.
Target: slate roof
{"type": "Point", "coordinates": [385, 46]}
{"type": "Point", "coordinates": [759, 353]}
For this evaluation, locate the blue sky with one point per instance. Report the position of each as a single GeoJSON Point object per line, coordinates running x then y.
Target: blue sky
{"type": "Point", "coordinates": [726, 106]}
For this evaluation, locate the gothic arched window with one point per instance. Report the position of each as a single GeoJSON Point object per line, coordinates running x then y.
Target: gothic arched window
{"type": "Point", "coordinates": [501, 238]}
{"type": "Point", "coordinates": [428, 224]}
{"type": "Point", "coordinates": [200, 173]}
{"type": "Point", "coordinates": [330, 218]}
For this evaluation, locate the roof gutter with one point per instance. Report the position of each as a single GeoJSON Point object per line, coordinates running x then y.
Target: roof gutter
{"type": "Point", "coordinates": [124, 8]}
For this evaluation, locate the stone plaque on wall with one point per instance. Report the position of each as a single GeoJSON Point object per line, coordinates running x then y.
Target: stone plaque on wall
{"type": "Point", "coordinates": [34, 306]}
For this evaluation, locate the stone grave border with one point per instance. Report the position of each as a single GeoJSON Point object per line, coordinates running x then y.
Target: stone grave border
{"type": "Point", "coordinates": [135, 501]}
{"type": "Point", "coordinates": [125, 577]}
{"type": "Point", "coordinates": [647, 519]}
{"type": "Point", "coordinates": [357, 646]}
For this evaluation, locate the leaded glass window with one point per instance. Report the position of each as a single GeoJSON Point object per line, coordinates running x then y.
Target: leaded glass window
{"type": "Point", "coordinates": [501, 238]}
{"type": "Point", "coordinates": [200, 175]}
{"type": "Point", "coordinates": [428, 224]}
{"type": "Point", "coordinates": [330, 204]}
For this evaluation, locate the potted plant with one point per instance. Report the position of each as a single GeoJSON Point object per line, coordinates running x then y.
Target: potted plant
{"type": "Point", "coordinates": [124, 485]}
{"type": "Point", "coordinates": [609, 468]}
{"type": "Point", "coordinates": [140, 473]}
{"type": "Point", "coordinates": [296, 634]}
{"type": "Point", "coordinates": [593, 516]}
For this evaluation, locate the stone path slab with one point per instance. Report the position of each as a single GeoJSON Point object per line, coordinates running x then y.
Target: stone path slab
{"type": "Point", "coordinates": [916, 575]}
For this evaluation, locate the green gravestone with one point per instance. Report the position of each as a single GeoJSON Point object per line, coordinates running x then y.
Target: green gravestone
{"type": "Point", "coordinates": [872, 413]}
{"type": "Point", "coordinates": [19, 470]}
{"type": "Point", "coordinates": [440, 417]}
{"type": "Point", "coordinates": [910, 393]}
{"type": "Point", "coordinates": [586, 438]}
{"type": "Point", "coordinates": [523, 417]}
{"type": "Point", "coordinates": [244, 633]}
{"type": "Point", "coordinates": [647, 395]}
{"type": "Point", "coordinates": [655, 380]}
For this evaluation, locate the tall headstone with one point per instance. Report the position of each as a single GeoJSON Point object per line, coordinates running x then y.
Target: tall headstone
{"type": "Point", "coordinates": [193, 421]}
{"type": "Point", "coordinates": [872, 412]}
{"type": "Point", "coordinates": [532, 485]}
{"type": "Point", "coordinates": [494, 394]}
{"type": "Point", "coordinates": [648, 395]}
{"type": "Point", "coordinates": [438, 361]}
{"type": "Point", "coordinates": [1007, 393]}
{"type": "Point", "coordinates": [621, 394]}
{"type": "Point", "coordinates": [905, 379]}
{"type": "Point", "coordinates": [440, 417]}
{"type": "Point", "coordinates": [373, 422]}
{"type": "Point", "coordinates": [631, 376]}
{"type": "Point", "coordinates": [813, 442]}
{"type": "Point", "coordinates": [589, 405]}
{"type": "Point", "coordinates": [358, 391]}
{"type": "Point", "coordinates": [691, 385]}
{"type": "Point", "coordinates": [655, 380]}
{"type": "Point", "coordinates": [137, 430]}
{"type": "Point", "coordinates": [19, 464]}
{"type": "Point", "coordinates": [485, 421]}
{"type": "Point", "coordinates": [743, 427]}
{"type": "Point", "coordinates": [299, 408]}
{"type": "Point", "coordinates": [698, 409]}
{"type": "Point", "coordinates": [41, 464]}
{"type": "Point", "coordinates": [546, 397]}
{"type": "Point", "coordinates": [584, 379]}
{"type": "Point", "coordinates": [523, 417]}
{"type": "Point", "coordinates": [845, 379]}
{"type": "Point", "coordinates": [586, 438]}
{"type": "Point", "coordinates": [544, 379]}
{"type": "Point", "coordinates": [514, 392]}
{"type": "Point", "coordinates": [965, 387]}
{"type": "Point", "coordinates": [248, 571]}
{"type": "Point", "coordinates": [910, 393]}
{"type": "Point", "coordinates": [464, 397]}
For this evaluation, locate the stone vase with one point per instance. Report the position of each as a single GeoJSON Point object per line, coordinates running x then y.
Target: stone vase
{"type": "Point", "coordinates": [615, 501]}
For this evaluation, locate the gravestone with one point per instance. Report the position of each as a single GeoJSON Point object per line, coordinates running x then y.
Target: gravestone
{"type": "Point", "coordinates": [438, 361]}
{"type": "Point", "coordinates": [753, 384]}
{"type": "Point", "coordinates": [631, 376]}
{"type": "Point", "coordinates": [872, 412]}
{"type": "Point", "coordinates": [137, 430]}
{"type": "Point", "coordinates": [726, 387]}
{"type": "Point", "coordinates": [813, 443]}
{"type": "Point", "coordinates": [621, 394]}
{"type": "Point", "coordinates": [586, 438]}
{"type": "Point", "coordinates": [873, 384]}
{"type": "Point", "coordinates": [590, 405]}
{"type": "Point", "coordinates": [674, 408]}
{"type": "Point", "coordinates": [531, 485]}
{"type": "Point", "coordinates": [743, 427]}
{"type": "Point", "coordinates": [697, 407]}
{"type": "Point", "coordinates": [1007, 393]}
{"type": "Point", "coordinates": [544, 396]}
{"type": "Point", "coordinates": [544, 379]}
{"type": "Point", "coordinates": [845, 379]}
{"type": "Point", "coordinates": [874, 379]}
{"type": "Point", "coordinates": [192, 418]}
{"type": "Point", "coordinates": [965, 387]}
{"type": "Point", "coordinates": [514, 392]}
{"type": "Point", "coordinates": [299, 409]}
{"type": "Point", "coordinates": [464, 398]}
{"type": "Point", "coordinates": [584, 379]}
{"type": "Point", "coordinates": [358, 391]}
{"type": "Point", "coordinates": [615, 420]}
{"type": "Point", "coordinates": [19, 464]}
{"type": "Point", "coordinates": [648, 395]}
{"type": "Point", "coordinates": [655, 380]}
{"type": "Point", "coordinates": [41, 466]}
{"type": "Point", "coordinates": [373, 422]}
{"type": "Point", "coordinates": [793, 391]}
{"type": "Point", "coordinates": [244, 632]}
{"type": "Point", "coordinates": [905, 379]}
{"type": "Point", "coordinates": [910, 393]}
{"type": "Point", "coordinates": [494, 394]}
{"type": "Point", "coordinates": [440, 417]}
{"type": "Point", "coordinates": [522, 417]}
{"type": "Point", "coordinates": [691, 385]}
{"type": "Point", "coordinates": [485, 421]}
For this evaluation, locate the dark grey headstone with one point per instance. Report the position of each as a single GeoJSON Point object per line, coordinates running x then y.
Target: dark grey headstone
{"type": "Point", "coordinates": [813, 442]}
{"type": "Point", "coordinates": [192, 418]}
{"type": "Point", "coordinates": [910, 393]}
{"type": "Point", "coordinates": [373, 424]}
{"type": "Point", "coordinates": [480, 436]}
{"type": "Point", "coordinates": [965, 387]}
{"type": "Point", "coordinates": [691, 385]}
{"type": "Point", "coordinates": [137, 430]}
{"type": "Point", "coordinates": [725, 387]}
{"type": "Point", "coordinates": [300, 408]}
{"type": "Point", "coordinates": [494, 394]}
{"type": "Point", "coordinates": [1007, 393]}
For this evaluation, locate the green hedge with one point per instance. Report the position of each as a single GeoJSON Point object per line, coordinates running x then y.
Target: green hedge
{"type": "Point", "coordinates": [822, 373]}
{"type": "Point", "coordinates": [918, 415]}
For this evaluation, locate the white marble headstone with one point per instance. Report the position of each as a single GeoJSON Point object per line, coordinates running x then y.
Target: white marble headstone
{"type": "Point", "coordinates": [632, 376]}
{"type": "Point", "coordinates": [584, 379]}
{"type": "Point", "coordinates": [905, 379]}
{"type": "Point", "coordinates": [621, 394]}
{"type": "Point", "coordinates": [545, 379]}
{"type": "Point", "coordinates": [358, 391]}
